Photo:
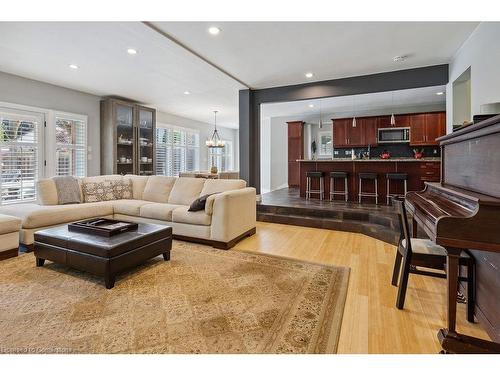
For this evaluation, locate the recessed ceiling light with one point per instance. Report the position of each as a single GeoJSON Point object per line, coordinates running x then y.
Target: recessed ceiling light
{"type": "Point", "coordinates": [440, 93]}
{"type": "Point", "coordinates": [309, 75]}
{"type": "Point", "coordinates": [399, 58]}
{"type": "Point", "coordinates": [73, 66]}
{"type": "Point", "coordinates": [311, 105]}
{"type": "Point", "coordinates": [213, 30]}
{"type": "Point", "coordinates": [132, 51]}
{"type": "Point", "coordinates": [186, 93]}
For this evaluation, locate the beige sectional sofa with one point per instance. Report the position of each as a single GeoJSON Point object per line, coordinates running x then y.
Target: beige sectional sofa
{"type": "Point", "coordinates": [9, 236]}
{"type": "Point", "coordinates": [229, 215]}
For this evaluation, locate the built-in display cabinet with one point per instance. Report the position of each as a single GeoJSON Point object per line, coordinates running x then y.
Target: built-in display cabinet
{"type": "Point", "coordinates": [127, 138]}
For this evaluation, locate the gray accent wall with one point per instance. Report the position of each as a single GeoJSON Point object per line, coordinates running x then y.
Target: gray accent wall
{"type": "Point", "coordinates": [19, 90]}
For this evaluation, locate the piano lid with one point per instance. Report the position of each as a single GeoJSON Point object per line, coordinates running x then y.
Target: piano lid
{"type": "Point", "coordinates": [471, 158]}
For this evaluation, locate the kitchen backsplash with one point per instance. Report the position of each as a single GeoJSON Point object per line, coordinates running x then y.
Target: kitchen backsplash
{"type": "Point", "coordinates": [396, 151]}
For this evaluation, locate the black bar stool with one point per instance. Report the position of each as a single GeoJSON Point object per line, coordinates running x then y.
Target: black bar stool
{"type": "Point", "coordinates": [309, 176]}
{"type": "Point", "coordinates": [371, 176]}
{"type": "Point", "coordinates": [396, 177]}
{"type": "Point", "coordinates": [333, 192]}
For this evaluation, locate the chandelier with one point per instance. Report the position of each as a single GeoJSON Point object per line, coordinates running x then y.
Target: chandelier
{"type": "Point", "coordinates": [215, 141]}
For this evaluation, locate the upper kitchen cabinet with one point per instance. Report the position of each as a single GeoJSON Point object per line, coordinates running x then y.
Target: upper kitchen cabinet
{"type": "Point", "coordinates": [417, 130]}
{"type": "Point", "coordinates": [400, 121]}
{"type": "Point", "coordinates": [435, 126]}
{"type": "Point", "coordinates": [340, 135]}
{"type": "Point", "coordinates": [426, 127]}
{"type": "Point", "coordinates": [370, 130]}
{"type": "Point", "coordinates": [361, 135]}
{"type": "Point", "coordinates": [346, 135]}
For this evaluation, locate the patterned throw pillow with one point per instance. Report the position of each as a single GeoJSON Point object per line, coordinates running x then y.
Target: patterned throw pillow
{"type": "Point", "coordinates": [123, 189]}
{"type": "Point", "coordinates": [98, 191]}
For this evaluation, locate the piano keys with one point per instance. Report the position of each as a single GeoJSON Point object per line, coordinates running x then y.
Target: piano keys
{"type": "Point", "coordinates": [463, 212]}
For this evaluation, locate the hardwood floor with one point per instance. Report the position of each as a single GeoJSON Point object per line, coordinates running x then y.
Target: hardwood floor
{"type": "Point", "coordinates": [371, 323]}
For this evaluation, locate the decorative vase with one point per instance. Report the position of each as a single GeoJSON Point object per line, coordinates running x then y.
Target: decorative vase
{"type": "Point", "coordinates": [213, 170]}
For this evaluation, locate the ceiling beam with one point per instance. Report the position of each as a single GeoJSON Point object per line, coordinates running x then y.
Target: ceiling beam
{"type": "Point", "coordinates": [193, 52]}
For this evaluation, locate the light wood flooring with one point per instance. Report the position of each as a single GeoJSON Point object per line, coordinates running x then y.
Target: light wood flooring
{"type": "Point", "coordinates": [371, 322]}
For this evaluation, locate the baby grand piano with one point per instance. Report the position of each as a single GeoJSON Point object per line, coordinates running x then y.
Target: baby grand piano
{"type": "Point", "coordinates": [463, 212]}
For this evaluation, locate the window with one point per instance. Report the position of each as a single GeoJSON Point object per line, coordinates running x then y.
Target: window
{"type": "Point", "coordinates": [177, 150]}
{"type": "Point", "coordinates": [71, 146]}
{"type": "Point", "coordinates": [19, 154]}
{"type": "Point", "coordinates": [325, 143]}
{"type": "Point", "coordinates": [222, 158]}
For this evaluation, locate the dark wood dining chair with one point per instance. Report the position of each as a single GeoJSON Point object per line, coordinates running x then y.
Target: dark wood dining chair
{"type": "Point", "coordinates": [419, 252]}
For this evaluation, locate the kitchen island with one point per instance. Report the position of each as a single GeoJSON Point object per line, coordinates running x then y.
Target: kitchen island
{"type": "Point", "coordinates": [419, 171]}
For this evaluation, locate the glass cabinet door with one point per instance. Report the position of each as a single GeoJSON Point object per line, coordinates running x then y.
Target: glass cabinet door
{"type": "Point", "coordinates": [145, 155]}
{"type": "Point", "coordinates": [124, 115]}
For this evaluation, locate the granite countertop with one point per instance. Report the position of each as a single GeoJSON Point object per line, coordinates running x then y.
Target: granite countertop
{"type": "Point", "coordinates": [430, 159]}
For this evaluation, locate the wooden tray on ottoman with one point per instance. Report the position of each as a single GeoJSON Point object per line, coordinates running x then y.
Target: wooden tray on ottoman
{"type": "Point", "coordinates": [103, 256]}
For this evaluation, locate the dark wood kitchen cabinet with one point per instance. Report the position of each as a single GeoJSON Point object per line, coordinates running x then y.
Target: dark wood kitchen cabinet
{"type": "Point", "coordinates": [362, 135]}
{"type": "Point", "coordinates": [435, 127]}
{"type": "Point", "coordinates": [417, 130]}
{"type": "Point", "coordinates": [370, 130]}
{"type": "Point", "coordinates": [401, 121]}
{"type": "Point", "coordinates": [295, 151]}
{"type": "Point", "coordinates": [340, 128]}
{"type": "Point", "coordinates": [426, 127]}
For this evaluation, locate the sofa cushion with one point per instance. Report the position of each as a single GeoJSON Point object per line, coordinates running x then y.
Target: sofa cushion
{"type": "Point", "coordinates": [158, 189]}
{"type": "Point", "coordinates": [68, 190]}
{"type": "Point", "coordinates": [37, 216]}
{"type": "Point", "coordinates": [47, 191]}
{"type": "Point", "coordinates": [138, 184]}
{"type": "Point", "coordinates": [182, 215]}
{"type": "Point", "coordinates": [130, 207]}
{"type": "Point", "coordinates": [122, 189]}
{"type": "Point", "coordinates": [9, 224]}
{"type": "Point", "coordinates": [98, 191]}
{"type": "Point", "coordinates": [186, 190]}
{"type": "Point", "coordinates": [212, 186]}
{"type": "Point", "coordinates": [158, 211]}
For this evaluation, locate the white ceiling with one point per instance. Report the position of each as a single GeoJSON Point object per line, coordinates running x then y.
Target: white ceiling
{"type": "Point", "coordinates": [158, 75]}
{"type": "Point", "coordinates": [261, 54]}
{"type": "Point", "coordinates": [401, 101]}
{"type": "Point", "coordinates": [267, 54]}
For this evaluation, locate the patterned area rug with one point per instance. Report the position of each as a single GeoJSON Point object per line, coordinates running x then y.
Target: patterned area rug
{"type": "Point", "coordinates": [202, 301]}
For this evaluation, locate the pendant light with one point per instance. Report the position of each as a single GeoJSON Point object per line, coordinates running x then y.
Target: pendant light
{"type": "Point", "coordinates": [393, 119]}
{"type": "Point", "coordinates": [353, 111]}
{"type": "Point", "coordinates": [215, 141]}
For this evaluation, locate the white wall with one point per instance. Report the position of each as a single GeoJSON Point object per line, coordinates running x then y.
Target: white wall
{"type": "Point", "coordinates": [205, 133]}
{"type": "Point", "coordinates": [20, 90]}
{"type": "Point", "coordinates": [481, 52]}
{"type": "Point", "coordinates": [279, 154]}
{"type": "Point", "coordinates": [265, 155]}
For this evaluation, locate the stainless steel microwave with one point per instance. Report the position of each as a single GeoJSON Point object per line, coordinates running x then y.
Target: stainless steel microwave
{"type": "Point", "coordinates": [394, 135]}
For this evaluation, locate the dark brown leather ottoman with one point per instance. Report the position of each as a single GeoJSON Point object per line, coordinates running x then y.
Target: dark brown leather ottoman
{"type": "Point", "coordinates": [103, 256]}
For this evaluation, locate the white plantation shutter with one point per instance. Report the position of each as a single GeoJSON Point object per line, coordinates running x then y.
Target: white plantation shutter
{"type": "Point", "coordinates": [177, 150]}
{"type": "Point", "coordinates": [19, 154]}
{"type": "Point", "coordinates": [71, 146]}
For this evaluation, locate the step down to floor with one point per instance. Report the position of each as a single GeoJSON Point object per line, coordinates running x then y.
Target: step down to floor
{"type": "Point", "coordinates": [380, 226]}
